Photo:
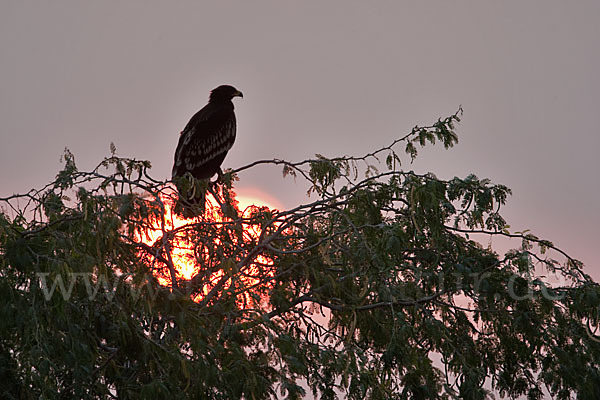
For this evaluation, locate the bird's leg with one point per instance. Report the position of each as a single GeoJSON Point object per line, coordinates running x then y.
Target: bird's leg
{"type": "Point", "coordinates": [193, 184]}
{"type": "Point", "coordinates": [219, 176]}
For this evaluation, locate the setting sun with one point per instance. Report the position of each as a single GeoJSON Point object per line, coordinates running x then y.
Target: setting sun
{"type": "Point", "coordinates": [192, 256]}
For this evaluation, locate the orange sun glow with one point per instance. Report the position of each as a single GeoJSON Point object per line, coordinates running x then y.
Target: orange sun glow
{"type": "Point", "coordinates": [189, 259]}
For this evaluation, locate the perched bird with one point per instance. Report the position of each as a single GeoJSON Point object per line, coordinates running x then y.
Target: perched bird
{"type": "Point", "coordinates": [205, 141]}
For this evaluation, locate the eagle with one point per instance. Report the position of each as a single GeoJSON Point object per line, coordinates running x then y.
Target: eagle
{"type": "Point", "coordinates": [205, 141]}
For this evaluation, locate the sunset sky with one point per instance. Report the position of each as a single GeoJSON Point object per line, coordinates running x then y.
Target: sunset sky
{"type": "Point", "coordinates": [329, 77]}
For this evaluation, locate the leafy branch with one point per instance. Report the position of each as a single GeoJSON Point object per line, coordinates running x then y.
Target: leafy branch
{"type": "Point", "coordinates": [354, 290]}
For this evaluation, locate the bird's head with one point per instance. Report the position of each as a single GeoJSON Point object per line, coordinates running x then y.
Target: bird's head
{"type": "Point", "coordinates": [224, 93]}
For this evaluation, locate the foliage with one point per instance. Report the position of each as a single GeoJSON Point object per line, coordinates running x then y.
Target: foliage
{"type": "Point", "coordinates": [354, 293]}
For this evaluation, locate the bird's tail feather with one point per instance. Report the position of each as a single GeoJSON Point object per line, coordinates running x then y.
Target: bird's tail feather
{"type": "Point", "coordinates": [192, 197]}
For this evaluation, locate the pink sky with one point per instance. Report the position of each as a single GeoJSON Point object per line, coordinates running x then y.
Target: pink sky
{"type": "Point", "coordinates": [336, 77]}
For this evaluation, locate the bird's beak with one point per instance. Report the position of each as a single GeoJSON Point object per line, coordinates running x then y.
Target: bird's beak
{"type": "Point", "coordinates": [238, 94]}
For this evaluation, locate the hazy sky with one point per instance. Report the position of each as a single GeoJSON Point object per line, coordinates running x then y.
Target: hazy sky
{"type": "Point", "coordinates": [329, 77]}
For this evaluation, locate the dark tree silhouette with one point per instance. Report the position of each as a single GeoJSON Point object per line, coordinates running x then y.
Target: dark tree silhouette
{"type": "Point", "coordinates": [355, 292]}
